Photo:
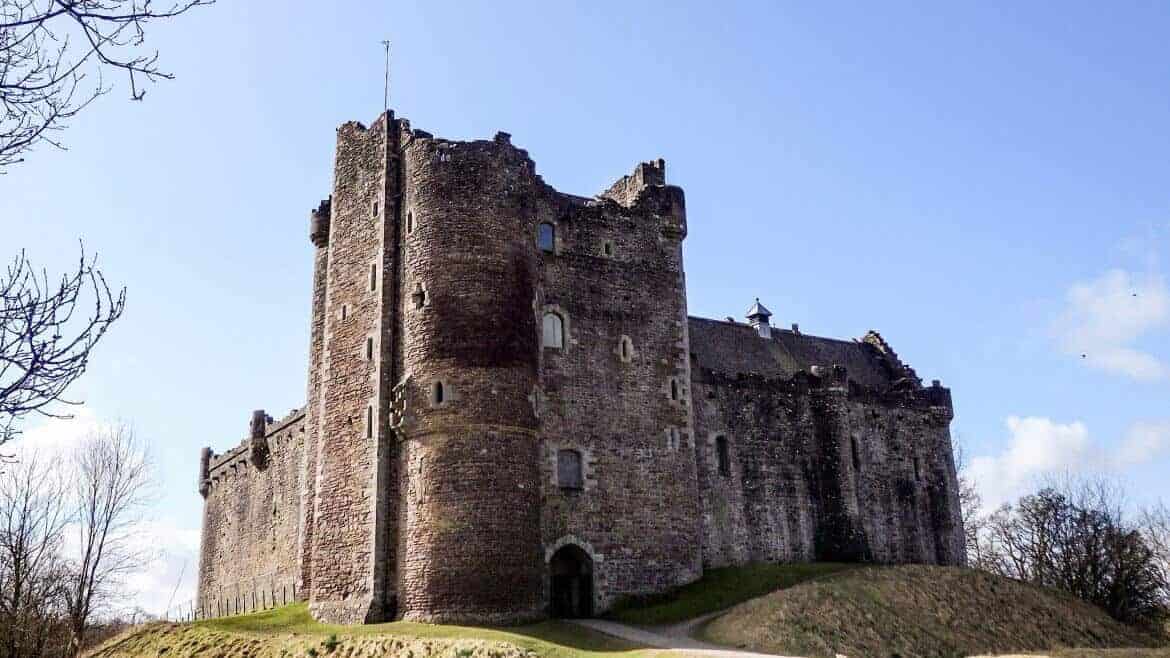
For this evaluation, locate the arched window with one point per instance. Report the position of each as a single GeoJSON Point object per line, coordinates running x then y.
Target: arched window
{"type": "Point", "coordinates": [625, 349]}
{"type": "Point", "coordinates": [569, 475]}
{"type": "Point", "coordinates": [438, 393]}
{"type": "Point", "coordinates": [723, 454]}
{"type": "Point", "coordinates": [554, 331]}
{"type": "Point", "coordinates": [547, 237]}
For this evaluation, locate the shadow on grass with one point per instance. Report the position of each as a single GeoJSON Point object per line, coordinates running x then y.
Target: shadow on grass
{"type": "Point", "coordinates": [555, 639]}
{"type": "Point", "coordinates": [719, 589]}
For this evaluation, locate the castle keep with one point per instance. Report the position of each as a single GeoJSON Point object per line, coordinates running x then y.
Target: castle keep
{"type": "Point", "coordinates": [510, 414]}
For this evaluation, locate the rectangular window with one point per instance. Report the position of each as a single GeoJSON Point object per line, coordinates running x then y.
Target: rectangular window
{"type": "Point", "coordinates": [569, 475]}
{"type": "Point", "coordinates": [373, 277]}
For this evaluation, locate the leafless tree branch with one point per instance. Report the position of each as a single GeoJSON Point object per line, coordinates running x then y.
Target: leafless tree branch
{"type": "Point", "coordinates": [112, 486]}
{"type": "Point", "coordinates": [52, 57]}
{"type": "Point", "coordinates": [46, 337]}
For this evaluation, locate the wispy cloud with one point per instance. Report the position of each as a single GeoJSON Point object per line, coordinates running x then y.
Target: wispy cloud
{"type": "Point", "coordinates": [1143, 442]}
{"type": "Point", "coordinates": [1103, 318]}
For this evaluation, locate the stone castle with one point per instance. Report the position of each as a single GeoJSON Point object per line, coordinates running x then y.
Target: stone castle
{"type": "Point", "coordinates": [511, 415]}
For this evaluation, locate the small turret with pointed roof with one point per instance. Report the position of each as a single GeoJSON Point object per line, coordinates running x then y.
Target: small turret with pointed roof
{"type": "Point", "coordinates": [758, 317]}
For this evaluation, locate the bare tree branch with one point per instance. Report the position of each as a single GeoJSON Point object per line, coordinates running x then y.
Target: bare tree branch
{"type": "Point", "coordinates": [33, 518]}
{"type": "Point", "coordinates": [112, 487]}
{"type": "Point", "coordinates": [48, 48]}
{"type": "Point", "coordinates": [45, 336]}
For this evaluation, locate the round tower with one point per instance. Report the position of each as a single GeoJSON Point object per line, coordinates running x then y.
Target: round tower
{"type": "Point", "coordinates": [469, 535]}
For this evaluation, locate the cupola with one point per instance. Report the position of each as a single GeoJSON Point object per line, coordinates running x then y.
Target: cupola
{"type": "Point", "coordinates": [757, 317]}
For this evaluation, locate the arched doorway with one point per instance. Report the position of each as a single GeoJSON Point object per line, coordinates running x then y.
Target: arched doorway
{"type": "Point", "coordinates": [571, 575]}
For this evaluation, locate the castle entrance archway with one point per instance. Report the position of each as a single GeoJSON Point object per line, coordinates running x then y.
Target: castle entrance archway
{"type": "Point", "coordinates": [571, 572]}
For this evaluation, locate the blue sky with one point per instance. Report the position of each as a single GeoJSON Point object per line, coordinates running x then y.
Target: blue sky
{"type": "Point", "coordinates": [984, 184]}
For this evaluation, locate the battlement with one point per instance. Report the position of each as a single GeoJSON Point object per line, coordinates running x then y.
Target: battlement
{"type": "Point", "coordinates": [214, 467]}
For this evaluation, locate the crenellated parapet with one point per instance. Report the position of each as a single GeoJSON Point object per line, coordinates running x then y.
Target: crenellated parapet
{"type": "Point", "coordinates": [251, 453]}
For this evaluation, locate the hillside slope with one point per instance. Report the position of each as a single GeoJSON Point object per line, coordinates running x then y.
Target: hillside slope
{"type": "Point", "coordinates": [917, 611]}
{"type": "Point", "coordinates": [290, 632]}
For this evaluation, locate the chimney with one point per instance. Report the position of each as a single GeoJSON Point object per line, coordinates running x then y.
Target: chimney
{"type": "Point", "coordinates": [757, 317]}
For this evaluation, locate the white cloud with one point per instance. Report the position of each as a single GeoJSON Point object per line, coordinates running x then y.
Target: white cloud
{"type": "Point", "coordinates": [1104, 317]}
{"type": "Point", "coordinates": [168, 580]}
{"type": "Point", "coordinates": [57, 435]}
{"type": "Point", "coordinates": [1040, 447]}
{"type": "Point", "coordinates": [1037, 446]}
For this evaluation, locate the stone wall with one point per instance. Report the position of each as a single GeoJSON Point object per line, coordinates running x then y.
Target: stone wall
{"type": "Point", "coordinates": [616, 275]}
{"type": "Point", "coordinates": [823, 468]}
{"type": "Point", "coordinates": [469, 545]}
{"type": "Point", "coordinates": [251, 518]}
{"type": "Point", "coordinates": [350, 581]}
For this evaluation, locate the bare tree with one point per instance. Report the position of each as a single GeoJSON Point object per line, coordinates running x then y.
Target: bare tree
{"type": "Point", "coordinates": [48, 49]}
{"type": "Point", "coordinates": [46, 337]}
{"type": "Point", "coordinates": [112, 485]}
{"type": "Point", "coordinates": [33, 518]}
{"type": "Point", "coordinates": [1156, 527]}
{"type": "Point", "coordinates": [1074, 536]}
{"type": "Point", "coordinates": [970, 503]}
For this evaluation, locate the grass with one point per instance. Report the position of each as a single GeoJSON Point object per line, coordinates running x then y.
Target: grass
{"type": "Point", "coordinates": [550, 638]}
{"type": "Point", "coordinates": [291, 632]}
{"type": "Point", "coordinates": [719, 589]}
{"type": "Point", "coordinates": [920, 611]}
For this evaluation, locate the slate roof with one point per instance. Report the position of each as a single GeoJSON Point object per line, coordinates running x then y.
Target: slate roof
{"type": "Point", "coordinates": [758, 309]}
{"type": "Point", "coordinates": [734, 348]}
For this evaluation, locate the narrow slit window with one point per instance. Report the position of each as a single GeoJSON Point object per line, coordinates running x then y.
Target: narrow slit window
{"type": "Point", "coordinates": [674, 389]}
{"type": "Point", "coordinates": [554, 331]}
{"type": "Point", "coordinates": [917, 468]}
{"type": "Point", "coordinates": [439, 393]}
{"type": "Point", "coordinates": [409, 221]}
{"type": "Point", "coordinates": [547, 237]}
{"type": "Point", "coordinates": [373, 277]}
{"type": "Point", "coordinates": [607, 249]}
{"type": "Point", "coordinates": [723, 455]}
{"type": "Point", "coordinates": [369, 348]}
{"type": "Point", "coordinates": [625, 350]}
{"type": "Point", "coordinates": [856, 454]}
{"type": "Point", "coordinates": [344, 312]}
{"type": "Point", "coordinates": [370, 422]}
{"type": "Point", "coordinates": [374, 209]}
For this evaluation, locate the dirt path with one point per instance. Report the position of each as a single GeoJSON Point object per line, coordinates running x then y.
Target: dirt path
{"type": "Point", "coordinates": [675, 638]}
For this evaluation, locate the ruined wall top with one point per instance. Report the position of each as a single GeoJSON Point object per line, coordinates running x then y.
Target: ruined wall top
{"type": "Point", "coordinates": [627, 188]}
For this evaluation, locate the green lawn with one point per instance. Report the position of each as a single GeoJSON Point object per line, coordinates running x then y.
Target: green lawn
{"type": "Point", "coordinates": [719, 589]}
{"type": "Point", "coordinates": [552, 639]}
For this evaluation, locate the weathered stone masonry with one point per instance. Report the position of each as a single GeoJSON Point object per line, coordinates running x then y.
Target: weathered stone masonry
{"type": "Point", "coordinates": [510, 414]}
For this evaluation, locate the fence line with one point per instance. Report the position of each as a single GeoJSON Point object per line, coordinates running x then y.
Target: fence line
{"type": "Point", "coordinates": [237, 598]}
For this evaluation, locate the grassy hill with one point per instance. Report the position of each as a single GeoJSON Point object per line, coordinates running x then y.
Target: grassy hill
{"type": "Point", "coordinates": [806, 610]}
{"type": "Point", "coordinates": [290, 632]}
{"type": "Point", "coordinates": [917, 611]}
